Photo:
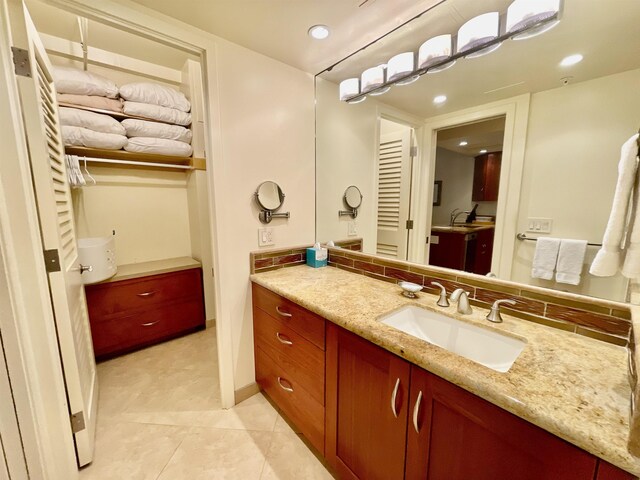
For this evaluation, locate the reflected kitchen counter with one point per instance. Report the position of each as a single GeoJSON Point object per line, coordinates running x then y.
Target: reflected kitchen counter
{"type": "Point", "coordinates": [462, 228]}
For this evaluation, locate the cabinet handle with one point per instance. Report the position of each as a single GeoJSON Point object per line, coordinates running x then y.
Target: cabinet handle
{"type": "Point", "coordinates": [146, 294]}
{"type": "Point", "coordinates": [282, 339]}
{"type": "Point", "coordinates": [283, 314]}
{"type": "Point", "coordinates": [416, 412]}
{"type": "Point", "coordinates": [150, 324]}
{"type": "Point", "coordinates": [288, 389]}
{"type": "Point", "coordinates": [393, 398]}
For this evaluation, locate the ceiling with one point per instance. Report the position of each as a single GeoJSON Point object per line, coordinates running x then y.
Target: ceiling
{"type": "Point", "coordinates": [278, 28]}
{"type": "Point", "coordinates": [488, 135]}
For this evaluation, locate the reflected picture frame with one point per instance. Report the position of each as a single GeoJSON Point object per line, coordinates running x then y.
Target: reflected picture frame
{"type": "Point", "coordinates": [437, 193]}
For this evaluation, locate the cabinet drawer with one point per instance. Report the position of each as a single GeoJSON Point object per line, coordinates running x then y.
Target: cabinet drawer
{"type": "Point", "coordinates": [139, 329]}
{"type": "Point", "coordinates": [299, 358]}
{"type": "Point", "coordinates": [107, 299]}
{"type": "Point", "coordinates": [305, 323]}
{"type": "Point", "coordinates": [295, 401]}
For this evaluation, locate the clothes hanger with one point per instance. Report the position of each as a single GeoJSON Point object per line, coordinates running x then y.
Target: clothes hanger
{"type": "Point", "coordinates": [93, 180]}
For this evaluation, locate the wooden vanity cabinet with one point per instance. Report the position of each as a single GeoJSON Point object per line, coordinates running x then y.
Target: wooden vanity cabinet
{"type": "Point", "coordinates": [483, 252]}
{"type": "Point", "coordinates": [486, 177]}
{"type": "Point", "coordinates": [367, 405]}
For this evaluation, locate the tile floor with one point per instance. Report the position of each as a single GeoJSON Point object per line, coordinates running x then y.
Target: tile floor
{"type": "Point", "coordinates": [159, 417]}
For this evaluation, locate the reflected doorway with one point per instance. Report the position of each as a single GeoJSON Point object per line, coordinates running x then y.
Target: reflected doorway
{"type": "Point", "coordinates": [466, 189]}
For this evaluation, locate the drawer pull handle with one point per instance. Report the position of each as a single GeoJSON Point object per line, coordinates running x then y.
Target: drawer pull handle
{"type": "Point", "coordinates": [282, 339]}
{"type": "Point", "coordinates": [394, 395]}
{"type": "Point", "coordinates": [150, 324]}
{"type": "Point", "coordinates": [284, 387]}
{"type": "Point", "coordinates": [283, 314]}
{"type": "Point", "coordinates": [146, 294]}
{"type": "Point", "coordinates": [416, 412]}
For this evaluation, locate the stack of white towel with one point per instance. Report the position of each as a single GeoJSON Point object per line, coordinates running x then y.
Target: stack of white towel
{"type": "Point", "coordinates": [565, 257]}
{"type": "Point", "coordinates": [169, 108]}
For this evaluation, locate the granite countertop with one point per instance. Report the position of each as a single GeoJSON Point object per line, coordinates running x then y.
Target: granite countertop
{"type": "Point", "coordinates": [572, 386]}
{"type": "Point", "coordinates": [155, 267]}
{"type": "Point", "coordinates": [458, 228]}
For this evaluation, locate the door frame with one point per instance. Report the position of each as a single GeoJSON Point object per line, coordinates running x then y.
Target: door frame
{"type": "Point", "coordinates": [516, 113]}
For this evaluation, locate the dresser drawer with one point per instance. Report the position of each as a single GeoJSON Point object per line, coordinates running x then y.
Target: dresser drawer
{"type": "Point", "coordinates": [292, 398]}
{"type": "Point", "coordinates": [299, 358]}
{"type": "Point", "coordinates": [139, 329]}
{"type": "Point", "coordinates": [305, 323]}
{"type": "Point", "coordinates": [108, 299]}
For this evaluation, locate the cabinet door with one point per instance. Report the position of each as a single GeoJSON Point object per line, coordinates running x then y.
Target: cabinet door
{"type": "Point", "coordinates": [486, 177]}
{"type": "Point", "coordinates": [449, 252]}
{"type": "Point", "coordinates": [455, 435]}
{"type": "Point", "coordinates": [484, 251]}
{"type": "Point", "coordinates": [367, 393]}
{"type": "Point", "coordinates": [606, 471]}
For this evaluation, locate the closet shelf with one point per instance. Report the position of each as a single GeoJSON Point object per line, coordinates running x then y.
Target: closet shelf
{"type": "Point", "coordinates": [138, 158]}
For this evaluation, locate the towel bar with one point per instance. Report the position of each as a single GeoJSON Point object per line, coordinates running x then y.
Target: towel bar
{"type": "Point", "coordinates": [522, 236]}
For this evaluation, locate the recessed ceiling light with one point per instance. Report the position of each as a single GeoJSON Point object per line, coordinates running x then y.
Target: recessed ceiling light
{"type": "Point", "coordinates": [571, 60]}
{"type": "Point", "coordinates": [319, 32]}
{"type": "Point", "coordinates": [484, 150]}
{"type": "Point", "coordinates": [463, 143]}
{"type": "Point", "coordinates": [440, 99]}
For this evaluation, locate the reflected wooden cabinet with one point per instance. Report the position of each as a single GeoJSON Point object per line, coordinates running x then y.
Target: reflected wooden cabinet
{"type": "Point", "coordinates": [483, 252]}
{"type": "Point", "coordinates": [486, 177]}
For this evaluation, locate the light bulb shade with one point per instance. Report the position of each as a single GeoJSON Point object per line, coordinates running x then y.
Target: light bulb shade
{"type": "Point", "coordinates": [435, 50]}
{"type": "Point", "coordinates": [399, 66]}
{"type": "Point", "coordinates": [478, 31]}
{"type": "Point", "coordinates": [372, 78]}
{"type": "Point", "coordinates": [349, 88]}
{"type": "Point", "coordinates": [523, 14]}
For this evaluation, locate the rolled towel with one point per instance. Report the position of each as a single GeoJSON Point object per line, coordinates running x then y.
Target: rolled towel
{"type": "Point", "coordinates": [570, 261]}
{"type": "Point", "coordinates": [83, 137]}
{"type": "Point", "coordinates": [608, 259]}
{"type": "Point", "coordinates": [159, 146]}
{"type": "Point", "coordinates": [545, 257]}
{"type": "Point", "coordinates": [156, 112]}
{"type": "Point", "coordinates": [91, 101]}
{"type": "Point", "coordinates": [79, 82]}
{"type": "Point", "coordinates": [156, 95]}
{"type": "Point", "coordinates": [143, 128]}
{"type": "Point", "coordinates": [74, 117]}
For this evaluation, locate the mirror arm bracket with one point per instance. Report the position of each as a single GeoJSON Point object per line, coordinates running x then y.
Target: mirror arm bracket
{"type": "Point", "coordinates": [266, 216]}
{"type": "Point", "coordinates": [353, 213]}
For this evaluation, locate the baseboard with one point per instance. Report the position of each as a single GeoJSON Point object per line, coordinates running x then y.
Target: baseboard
{"type": "Point", "coordinates": [245, 392]}
{"type": "Point", "coordinates": [211, 323]}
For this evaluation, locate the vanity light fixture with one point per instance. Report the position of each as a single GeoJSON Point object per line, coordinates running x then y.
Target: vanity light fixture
{"type": "Point", "coordinates": [463, 143]}
{"type": "Point", "coordinates": [479, 31]}
{"type": "Point", "coordinates": [371, 79]}
{"type": "Point", "coordinates": [531, 17]}
{"type": "Point", "coordinates": [399, 66]}
{"type": "Point", "coordinates": [571, 60]}
{"type": "Point", "coordinates": [435, 51]}
{"type": "Point", "coordinates": [319, 32]}
{"type": "Point", "coordinates": [349, 88]}
{"type": "Point", "coordinates": [439, 99]}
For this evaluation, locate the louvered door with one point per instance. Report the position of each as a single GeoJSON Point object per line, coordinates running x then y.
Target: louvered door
{"type": "Point", "coordinates": [394, 192]}
{"type": "Point", "coordinates": [57, 226]}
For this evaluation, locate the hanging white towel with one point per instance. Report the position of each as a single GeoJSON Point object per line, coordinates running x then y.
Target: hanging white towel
{"type": "Point", "coordinates": [545, 257]}
{"type": "Point", "coordinates": [631, 266]}
{"type": "Point", "coordinates": [570, 261]}
{"type": "Point", "coordinates": [608, 259]}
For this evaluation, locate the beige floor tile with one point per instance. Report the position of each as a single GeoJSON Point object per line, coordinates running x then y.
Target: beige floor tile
{"type": "Point", "coordinates": [290, 459]}
{"type": "Point", "coordinates": [219, 454]}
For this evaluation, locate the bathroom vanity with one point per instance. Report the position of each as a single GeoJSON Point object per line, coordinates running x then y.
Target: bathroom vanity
{"type": "Point", "coordinates": [379, 403]}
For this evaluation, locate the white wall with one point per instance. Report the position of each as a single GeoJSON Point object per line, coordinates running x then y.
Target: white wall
{"type": "Point", "coordinates": [573, 147]}
{"type": "Point", "coordinates": [346, 145]}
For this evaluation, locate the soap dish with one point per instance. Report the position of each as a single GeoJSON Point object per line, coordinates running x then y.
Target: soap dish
{"type": "Point", "coordinates": [410, 289]}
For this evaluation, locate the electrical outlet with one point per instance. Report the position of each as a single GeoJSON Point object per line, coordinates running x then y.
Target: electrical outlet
{"type": "Point", "coordinates": [539, 225]}
{"type": "Point", "coordinates": [265, 237]}
{"type": "Point", "coordinates": [352, 228]}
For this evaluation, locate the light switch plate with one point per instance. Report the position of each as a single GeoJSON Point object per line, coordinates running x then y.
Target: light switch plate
{"type": "Point", "coordinates": [539, 225]}
{"type": "Point", "coordinates": [265, 237]}
{"type": "Point", "coordinates": [352, 228]}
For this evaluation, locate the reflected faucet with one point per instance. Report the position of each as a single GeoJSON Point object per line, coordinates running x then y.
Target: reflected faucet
{"type": "Point", "coordinates": [455, 213]}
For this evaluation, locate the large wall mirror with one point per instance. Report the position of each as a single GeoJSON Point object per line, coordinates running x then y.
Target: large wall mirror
{"type": "Point", "coordinates": [522, 140]}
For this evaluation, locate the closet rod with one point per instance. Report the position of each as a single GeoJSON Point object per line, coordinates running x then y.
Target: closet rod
{"type": "Point", "coordinates": [138, 164]}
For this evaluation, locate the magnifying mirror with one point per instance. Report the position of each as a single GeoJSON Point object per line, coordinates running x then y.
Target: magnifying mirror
{"type": "Point", "coordinates": [269, 197]}
{"type": "Point", "coordinates": [352, 199]}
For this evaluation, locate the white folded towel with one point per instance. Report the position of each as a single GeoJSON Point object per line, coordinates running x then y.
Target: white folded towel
{"type": "Point", "coordinates": [608, 259]}
{"type": "Point", "coordinates": [570, 261]}
{"type": "Point", "coordinates": [545, 257]}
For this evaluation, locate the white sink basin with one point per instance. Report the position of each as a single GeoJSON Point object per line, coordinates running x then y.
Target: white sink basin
{"type": "Point", "coordinates": [481, 345]}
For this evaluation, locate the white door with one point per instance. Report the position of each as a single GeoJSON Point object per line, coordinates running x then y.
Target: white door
{"type": "Point", "coordinates": [53, 196]}
{"type": "Point", "coordinates": [394, 193]}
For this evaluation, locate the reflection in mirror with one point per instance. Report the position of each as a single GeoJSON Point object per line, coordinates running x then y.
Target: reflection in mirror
{"type": "Point", "coordinates": [528, 143]}
{"type": "Point", "coordinates": [270, 197]}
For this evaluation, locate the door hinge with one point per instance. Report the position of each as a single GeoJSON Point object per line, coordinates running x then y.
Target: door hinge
{"type": "Point", "coordinates": [409, 224]}
{"type": "Point", "coordinates": [21, 62]}
{"type": "Point", "coordinates": [77, 422]}
{"type": "Point", "coordinates": [51, 260]}
{"type": "Point", "coordinates": [427, 242]}
{"type": "Point", "coordinates": [413, 152]}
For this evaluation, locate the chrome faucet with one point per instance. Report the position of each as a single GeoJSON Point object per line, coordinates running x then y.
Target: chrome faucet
{"type": "Point", "coordinates": [442, 301]}
{"type": "Point", "coordinates": [462, 298]}
{"type": "Point", "coordinates": [494, 315]}
{"type": "Point", "coordinates": [455, 213]}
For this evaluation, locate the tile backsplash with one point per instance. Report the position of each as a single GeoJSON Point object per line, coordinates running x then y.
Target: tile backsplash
{"type": "Point", "coordinates": [596, 318]}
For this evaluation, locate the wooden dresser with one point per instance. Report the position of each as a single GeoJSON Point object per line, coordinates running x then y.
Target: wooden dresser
{"type": "Point", "coordinates": [140, 307]}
